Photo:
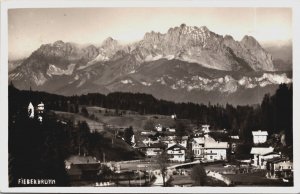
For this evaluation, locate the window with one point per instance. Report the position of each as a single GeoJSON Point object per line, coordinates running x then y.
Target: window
{"type": "Point", "coordinates": [211, 157]}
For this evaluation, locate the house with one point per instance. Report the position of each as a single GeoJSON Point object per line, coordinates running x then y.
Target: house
{"type": "Point", "coordinates": [151, 150]}
{"type": "Point", "coordinates": [197, 132]}
{"type": "Point", "coordinates": [260, 154]}
{"type": "Point", "coordinates": [158, 127]}
{"type": "Point", "coordinates": [176, 153]}
{"type": "Point", "coordinates": [148, 133]}
{"type": "Point", "coordinates": [173, 116]}
{"type": "Point", "coordinates": [148, 141]}
{"type": "Point", "coordinates": [234, 137]}
{"type": "Point", "coordinates": [198, 147]}
{"type": "Point", "coordinates": [259, 136]}
{"type": "Point", "coordinates": [215, 150]}
{"type": "Point", "coordinates": [40, 108]}
{"type": "Point", "coordinates": [208, 149]}
{"type": "Point", "coordinates": [279, 168]}
{"type": "Point", "coordinates": [172, 130]}
{"type": "Point", "coordinates": [82, 167]}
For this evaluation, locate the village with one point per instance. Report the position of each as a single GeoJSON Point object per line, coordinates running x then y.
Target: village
{"type": "Point", "coordinates": [213, 149]}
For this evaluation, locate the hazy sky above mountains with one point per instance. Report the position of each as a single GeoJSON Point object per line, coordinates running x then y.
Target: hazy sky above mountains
{"type": "Point", "coordinates": [29, 28]}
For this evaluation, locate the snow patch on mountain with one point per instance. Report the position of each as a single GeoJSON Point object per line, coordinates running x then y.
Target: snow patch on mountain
{"type": "Point", "coordinates": [226, 84]}
{"type": "Point", "coordinates": [230, 85]}
{"type": "Point", "coordinates": [153, 58]}
{"type": "Point", "coordinates": [264, 80]}
{"type": "Point", "coordinates": [126, 81]}
{"type": "Point", "coordinates": [146, 83]}
{"type": "Point", "coordinates": [53, 70]}
{"type": "Point", "coordinates": [275, 78]}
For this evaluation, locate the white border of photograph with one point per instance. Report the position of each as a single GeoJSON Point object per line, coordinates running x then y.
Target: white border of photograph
{"type": "Point", "coordinates": [9, 4]}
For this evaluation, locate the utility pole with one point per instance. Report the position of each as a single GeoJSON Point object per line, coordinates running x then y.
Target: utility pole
{"type": "Point", "coordinates": [103, 157]}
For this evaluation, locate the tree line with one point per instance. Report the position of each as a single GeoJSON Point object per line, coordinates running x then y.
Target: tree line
{"type": "Point", "coordinates": [274, 114]}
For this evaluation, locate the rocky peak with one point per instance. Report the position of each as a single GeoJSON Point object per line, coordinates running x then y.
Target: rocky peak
{"type": "Point", "coordinates": [228, 37]}
{"type": "Point", "coordinates": [250, 42]}
{"type": "Point", "coordinates": [109, 42]}
{"type": "Point", "coordinates": [153, 37]}
{"type": "Point", "coordinates": [58, 43]}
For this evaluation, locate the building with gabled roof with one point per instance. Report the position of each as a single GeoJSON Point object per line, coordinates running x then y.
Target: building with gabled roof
{"type": "Point", "coordinates": [82, 167]}
{"type": "Point", "coordinates": [150, 150]}
{"type": "Point", "coordinates": [198, 147]}
{"type": "Point", "coordinates": [279, 167]}
{"type": "Point", "coordinates": [177, 153]}
{"type": "Point", "coordinates": [260, 154]}
{"type": "Point", "coordinates": [215, 150]}
{"type": "Point", "coordinates": [259, 136]}
{"type": "Point", "coordinates": [208, 149]}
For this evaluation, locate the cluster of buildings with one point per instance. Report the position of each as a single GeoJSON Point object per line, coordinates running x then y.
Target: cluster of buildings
{"type": "Point", "coordinates": [265, 157]}
{"type": "Point", "coordinates": [200, 146]}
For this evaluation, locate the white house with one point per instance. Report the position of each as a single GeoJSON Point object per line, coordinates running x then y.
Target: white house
{"type": "Point", "coordinates": [176, 153]}
{"type": "Point", "coordinates": [259, 136]}
{"type": "Point", "coordinates": [208, 149]}
{"type": "Point", "coordinates": [260, 154]}
{"type": "Point", "coordinates": [215, 150]}
{"type": "Point", "coordinates": [152, 151]}
{"type": "Point", "coordinates": [148, 141]}
{"type": "Point", "coordinates": [172, 130]}
{"type": "Point", "coordinates": [234, 137]}
{"type": "Point", "coordinates": [40, 108]}
{"type": "Point", "coordinates": [158, 127]}
{"type": "Point", "coordinates": [198, 147]}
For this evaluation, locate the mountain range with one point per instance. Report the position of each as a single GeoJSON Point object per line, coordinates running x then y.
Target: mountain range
{"type": "Point", "coordinates": [186, 64]}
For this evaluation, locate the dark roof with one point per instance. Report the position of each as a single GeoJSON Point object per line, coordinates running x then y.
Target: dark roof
{"type": "Point", "coordinates": [275, 160]}
{"type": "Point", "coordinates": [270, 153]}
{"type": "Point", "coordinates": [155, 145]}
{"type": "Point", "coordinates": [176, 145]}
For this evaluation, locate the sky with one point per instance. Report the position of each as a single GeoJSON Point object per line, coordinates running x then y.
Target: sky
{"type": "Point", "coordinates": [29, 28]}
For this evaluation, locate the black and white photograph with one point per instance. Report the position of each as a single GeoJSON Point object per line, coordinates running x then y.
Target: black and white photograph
{"type": "Point", "coordinates": [143, 96]}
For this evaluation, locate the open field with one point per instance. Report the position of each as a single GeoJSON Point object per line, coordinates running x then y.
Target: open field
{"type": "Point", "coordinates": [93, 125]}
{"type": "Point", "coordinates": [129, 118]}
